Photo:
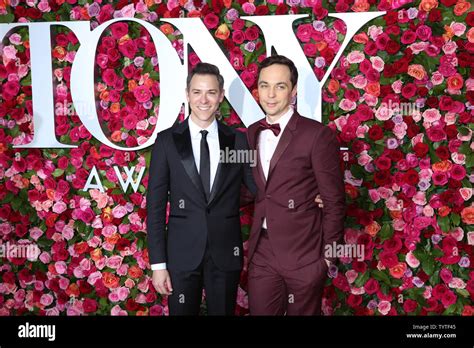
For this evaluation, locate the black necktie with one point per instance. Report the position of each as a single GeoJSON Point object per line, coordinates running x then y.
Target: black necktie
{"type": "Point", "coordinates": [205, 165]}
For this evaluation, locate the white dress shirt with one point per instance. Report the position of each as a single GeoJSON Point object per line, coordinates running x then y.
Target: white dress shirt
{"type": "Point", "coordinates": [268, 142]}
{"type": "Point", "coordinates": [214, 156]}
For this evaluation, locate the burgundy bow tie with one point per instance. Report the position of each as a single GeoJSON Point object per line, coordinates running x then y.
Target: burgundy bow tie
{"type": "Point", "coordinates": [275, 128]}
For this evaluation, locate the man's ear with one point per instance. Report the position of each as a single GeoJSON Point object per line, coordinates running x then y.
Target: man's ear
{"type": "Point", "coordinates": [222, 96]}
{"type": "Point", "coordinates": [293, 91]}
{"type": "Point", "coordinates": [187, 94]}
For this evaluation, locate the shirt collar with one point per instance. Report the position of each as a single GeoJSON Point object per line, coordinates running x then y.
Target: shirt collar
{"type": "Point", "coordinates": [195, 130]}
{"type": "Point", "coordinates": [283, 121]}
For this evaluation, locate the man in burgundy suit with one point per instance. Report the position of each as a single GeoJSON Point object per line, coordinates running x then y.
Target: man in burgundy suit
{"type": "Point", "coordinates": [298, 158]}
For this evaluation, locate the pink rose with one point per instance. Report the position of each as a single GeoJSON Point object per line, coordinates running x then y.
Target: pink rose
{"type": "Point", "coordinates": [384, 307]}
{"type": "Point", "coordinates": [60, 267]}
{"type": "Point", "coordinates": [109, 76]}
{"type": "Point", "coordinates": [457, 172]}
{"type": "Point", "coordinates": [466, 193]}
{"type": "Point", "coordinates": [114, 262]}
{"type": "Point", "coordinates": [46, 299]}
{"type": "Point", "coordinates": [123, 293]}
{"type": "Point", "coordinates": [355, 57]}
{"type": "Point", "coordinates": [119, 29]}
{"type": "Point", "coordinates": [142, 94]}
{"type": "Point", "coordinates": [446, 275]}
{"type": "Point", "coordinates": [119, 211]}
{"type": "Point", "coordinates": [436, 133]}
{"type": "Point", "coordinates": [411, 260]}
{"type": "Point", "coordinates": [211, 21]}
{"type": "Point", "coordinates": [128, 49]}
{"type": "Point", "coordinates": [423, 32]}
{"type": "Point", "coordinates": [431, 115]}
{"type": "Point", "coordinates": [304, 32]}
{"type": "Point", "coordinates": [249, 8]}
{"type": "Point", "coordinates": [440, 178]}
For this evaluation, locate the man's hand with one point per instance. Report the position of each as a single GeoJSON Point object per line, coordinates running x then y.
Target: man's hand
{"type": "Point", "coordinates": [162, 282]}
{"type": "Point", "coordinates": [319, 201]}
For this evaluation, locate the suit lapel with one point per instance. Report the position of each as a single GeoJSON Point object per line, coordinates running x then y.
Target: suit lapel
{"type": "Point", "coordinates": [182, 140]}
{"type": "Point", "coordinates": [254, 144]}
{"type": "Point", "coordinates": [283, 143]}
{"type": "Point", "coordinates": [226, 140]}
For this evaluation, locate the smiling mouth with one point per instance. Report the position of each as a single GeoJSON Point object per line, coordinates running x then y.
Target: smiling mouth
{"type": "Point", "coordinates": [204, 108]}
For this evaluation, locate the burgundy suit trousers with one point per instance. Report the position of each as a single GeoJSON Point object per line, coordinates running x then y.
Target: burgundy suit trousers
{"type": "Point", "coordinates": [275, 291]}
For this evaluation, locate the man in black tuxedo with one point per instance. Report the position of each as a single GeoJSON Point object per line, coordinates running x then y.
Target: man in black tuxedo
{"type": "Point", "coordinates": [202, 245]}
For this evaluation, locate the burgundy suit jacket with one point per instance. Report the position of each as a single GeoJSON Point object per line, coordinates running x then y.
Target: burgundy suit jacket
{"type": "Point", "coordinates": [305, 163]}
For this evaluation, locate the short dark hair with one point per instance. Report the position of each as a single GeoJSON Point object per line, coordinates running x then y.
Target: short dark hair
{"type": "Point", "coordinates": [282, 60]}
{"type": "Point", "coordinates": [206, 69]}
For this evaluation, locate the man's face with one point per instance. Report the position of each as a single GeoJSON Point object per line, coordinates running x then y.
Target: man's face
{"type": "Point", "coordinates": [275, 90]}
{"type": "Point", "coordinates": [204, 97]}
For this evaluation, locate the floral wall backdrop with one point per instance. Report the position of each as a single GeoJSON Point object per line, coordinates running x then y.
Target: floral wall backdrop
{"type": "Point", "coordinates": [400, 98]}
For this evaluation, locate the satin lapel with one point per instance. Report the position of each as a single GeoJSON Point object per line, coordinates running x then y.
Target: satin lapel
{"type": "Point", "coordinates": [226, 140]}
{"type": "Point", "coordinates": [253, 137]}
{"type": "Point", "coordinates": [283, 143]}
{"type": "Point", "coordinates": [182, 140]}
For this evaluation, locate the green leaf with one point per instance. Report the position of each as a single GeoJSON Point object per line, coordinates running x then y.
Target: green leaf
{"type": "Point", "coordinates": [463, 292]}
{"type": "Point", "coordinates": [444, 223]}
{"type": "Point", "coordinates": [382, 276]}
{"type": "Point", "coordinates": [361, 279]}
{"type": "Point", "coordinates": [436, 252]}
{"type": "Point", "coordinates": [420, 254]}
{"type": "Point", "coordinates": [8, 18]}
{"type": "Point", "coordinates": [386, 232]}
{"type": "Point", "coordinates": [455, 219]}
{"type": "Point", "coordinates": [451, 309]}
{"type": "Point", "coordinates": [58, 172]}
{"type": "Point", "coordinates": [428, 265]}
{"type": "Point", "coordinates": [463, 130]}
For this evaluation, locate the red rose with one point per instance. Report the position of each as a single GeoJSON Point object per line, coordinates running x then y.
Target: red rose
{"type": "Point", "coordinates": [248, 78]}
{"type": "Point", "coordinates": [131, 305]}
{"type": "Point", "coordinates": [119, 29]}
{"type": "Point", "coordinates": [409, 90]}
{"type": "Point", "coordinates": [211, 21]}
{"type": "Point", "coordinates": [238, 36]}
{"type": "Point", "coordinates": [89, 305]}
{"type": "Point", "coordinates": [449, 3]}
{"type": "Point", "coordinates": [392, 245]}
{"type": "Point", "coordinates": [354, 301]}
{"type": "Point", "coordinates": [442, 152]}
{"type": "Point", "coordinates": [33, 13]}
{"type": "Point", "coordinates": [238, 24]}
{"type": "Point", "coordinates": [435, 15]}
{"type": "Point", "coordinates": [448, 299]}
{"type": "Point", "coordinates": [310, 49]}
{"type": "Point", "coordinates": [421, 149]}
{"type": "Point", "coordinates": [383, 163]}
{"type": "Point", "coordinates": [382, 177]}
{"type": "Point", "coordinates": [451, 131]}
{"type": "Point", "coordinates": [261, 10]}
{"type": "Point", "coordinates": [251, 33]}
{"type": "Point", "coordinates": [388, 259]}
{"type": "Point", "coordinates": [409, 306]}
{"type": "Point", "coordinates": [411, 177]}
{"type": "Point", "coordinates": [392, 47]}
{"type": "Point", "coordinates": [372, 286]}
{"type": "Point", "coordinates": [375, 132]}
{"type": "Point", "coordinates": [446, 103]}
{"type": "Point", "coordinates": [470, 19]}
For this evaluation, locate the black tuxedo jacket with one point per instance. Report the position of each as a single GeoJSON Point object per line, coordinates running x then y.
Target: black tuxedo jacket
{"type": "Point", "coordinates": [193, 222]}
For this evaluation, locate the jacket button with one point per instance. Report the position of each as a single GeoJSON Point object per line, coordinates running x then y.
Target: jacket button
{"type": "Point", "coordinates": [268, 196]}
